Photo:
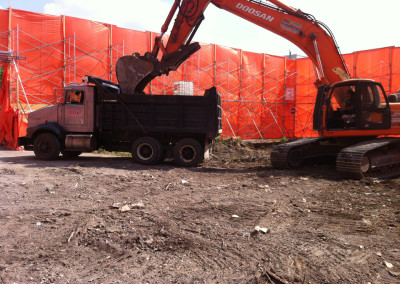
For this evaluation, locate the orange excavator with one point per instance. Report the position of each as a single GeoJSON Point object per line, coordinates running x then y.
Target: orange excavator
{"type": "Point", "coordinates": [355, 119]}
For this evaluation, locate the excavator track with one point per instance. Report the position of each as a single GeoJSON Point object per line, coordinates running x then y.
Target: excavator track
{"type": "Point", "coordinates": [376, 158]}
{"type": "Point", "coordinates": [292, 154]}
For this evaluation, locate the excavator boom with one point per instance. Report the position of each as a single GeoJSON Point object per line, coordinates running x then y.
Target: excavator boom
{"type": "Point", "coordinates": [313, 37]}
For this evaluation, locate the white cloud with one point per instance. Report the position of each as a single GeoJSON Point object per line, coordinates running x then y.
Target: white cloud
{"type": "Point", "coordinates": [219, 27]}
{"type": "Point", "coordinates": [230, 30]}
{"type": "Point", "coordinates": [355, 28]}
{"type": "Point", "coordinates": [146, 15]}
{"type": "Point", "coordinates": [53, 9]}
{"type": "Point", "coordinates": [358, 27]}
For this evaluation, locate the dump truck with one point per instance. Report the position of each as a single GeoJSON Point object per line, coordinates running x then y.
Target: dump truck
{"type": "Point", "coordinates": [95, 114]}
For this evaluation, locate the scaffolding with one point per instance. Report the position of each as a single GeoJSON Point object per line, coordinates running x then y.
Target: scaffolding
{"type": "Point", "coordinates": [263, 96]}
{"type": "Point", "coordinates": [260, 97]}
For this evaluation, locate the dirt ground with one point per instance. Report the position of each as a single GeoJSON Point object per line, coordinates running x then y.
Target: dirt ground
{"type": "Point", "coordinates": [234, 219]}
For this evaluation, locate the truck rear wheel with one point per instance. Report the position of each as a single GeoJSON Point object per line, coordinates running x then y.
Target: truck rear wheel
{"type": "Point", "coordinates": [188, 153]}
{"type": "Point", "coordinates": [147, 151]}
{"type": "Point", "coordinates": [46, 146]}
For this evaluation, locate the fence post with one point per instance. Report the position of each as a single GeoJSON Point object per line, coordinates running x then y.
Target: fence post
{"type": "Point", "coordinates": [149, 49]}
{"type": "Point", "coordinates": [17, 65]}
{"type": "Point", "coordinates": [111, 54]}
{"type": "Point", "coordinates": [64, 51]}
{"type": "Point", "coordinates": [390, 69]}
{"type": "Point", "coordinates": [355, 65]}
{"type": "Point", "coordinates": [74, 58]}
{"type": "Point", "coordinates": [215, 63]}
{"type": "Point", "coordinates": [9, 46]}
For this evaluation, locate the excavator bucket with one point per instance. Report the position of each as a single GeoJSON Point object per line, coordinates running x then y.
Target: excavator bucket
{"type": "Point", "coordinates": [134, 72]}
{"type": "Point", "coordinates": [131, 71]}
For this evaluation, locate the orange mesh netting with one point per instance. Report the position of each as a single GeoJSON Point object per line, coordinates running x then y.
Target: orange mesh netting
{"type": "Point", "coordinates": [12, 122]}
{"type": "Point", "coordinates": [263, 96]}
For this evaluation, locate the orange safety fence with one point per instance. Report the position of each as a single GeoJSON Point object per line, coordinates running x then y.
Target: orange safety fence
{"type": "Point", "coordinates": [12, 121]}
{"type": "Point", "coordinates": [263, 96]}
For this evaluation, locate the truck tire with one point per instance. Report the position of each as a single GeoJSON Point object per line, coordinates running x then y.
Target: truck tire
{"type": "Point", "coordinates": [147, 151]}
{"type": "Point", "coordinates": [46, 146]}
{"type": "Point", "coordinates": [188, 153]}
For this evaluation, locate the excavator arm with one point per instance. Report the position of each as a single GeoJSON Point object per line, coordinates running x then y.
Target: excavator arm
{"type": "Point", "coordinates": [311, 36]}
{"type": "Point", "coordinates": [303, 30]}
{"type": "Point", "coordinates": [134, 72]}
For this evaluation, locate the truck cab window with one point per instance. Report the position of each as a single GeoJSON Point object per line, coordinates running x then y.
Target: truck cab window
{"type": "Point", "coordinates": [74, 97]}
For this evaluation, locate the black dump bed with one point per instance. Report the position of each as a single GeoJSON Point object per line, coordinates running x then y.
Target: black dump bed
{"type": "Point", "coordinates": [131, 115]}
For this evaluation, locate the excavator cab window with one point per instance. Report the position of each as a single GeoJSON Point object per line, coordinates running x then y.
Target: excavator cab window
{"type": "Point", "coordinates": [356, 106]}
{"type": "Point", "coordinates": [341, 108]}
{"type": "Point", "coordinates": [375, 112]}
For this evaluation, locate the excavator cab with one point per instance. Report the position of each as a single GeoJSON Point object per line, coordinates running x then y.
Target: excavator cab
{"type": "Point", "coordinates": [350, 106]}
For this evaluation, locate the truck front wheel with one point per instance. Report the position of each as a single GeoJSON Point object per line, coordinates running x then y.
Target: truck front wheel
{"type": "Point", "coordinates": [147, 151]}
{"type": "Point", "coordinates": [188, 153]}
{"type": "Point", "coordinates": [46, 147]}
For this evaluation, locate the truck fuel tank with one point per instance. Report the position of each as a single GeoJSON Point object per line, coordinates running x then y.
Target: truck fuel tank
{"type": "Point", "coordinates": [81, 142]}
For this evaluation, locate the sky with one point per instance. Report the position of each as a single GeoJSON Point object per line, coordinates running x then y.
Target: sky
{"type": "Point", "coordinates": [356, 24]}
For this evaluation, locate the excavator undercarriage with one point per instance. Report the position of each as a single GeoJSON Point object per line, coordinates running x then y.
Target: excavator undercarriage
{"type": "Point", "coordinates": [377, 158]}
{"type": "Point", "coordinates": [356, 157]}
